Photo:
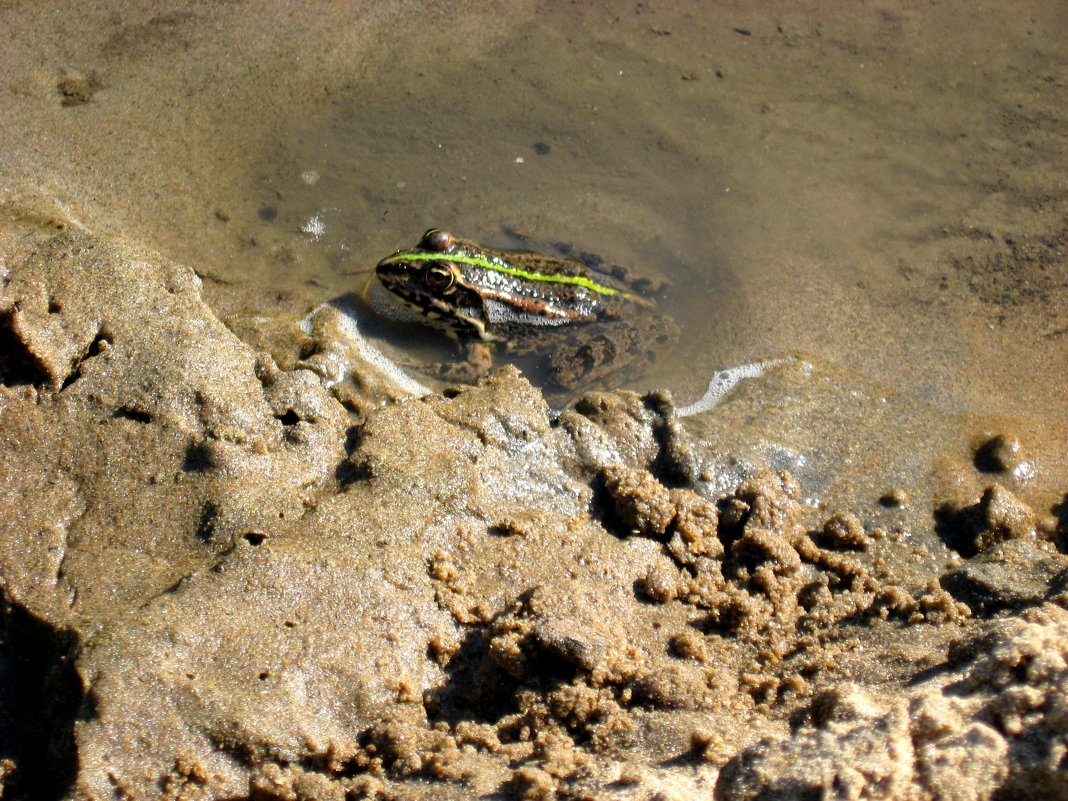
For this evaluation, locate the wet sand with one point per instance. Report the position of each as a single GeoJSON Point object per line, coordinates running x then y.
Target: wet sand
{"type": "Point", "coordinates": [239, 560]}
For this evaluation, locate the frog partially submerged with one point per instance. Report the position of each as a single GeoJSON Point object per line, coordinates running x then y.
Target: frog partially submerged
{"type": "Point", "coordinates": [583, 324]}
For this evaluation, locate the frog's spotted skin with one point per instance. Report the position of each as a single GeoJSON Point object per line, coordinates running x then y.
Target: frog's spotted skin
{"type": "Point", "coordinates": [587, 325]}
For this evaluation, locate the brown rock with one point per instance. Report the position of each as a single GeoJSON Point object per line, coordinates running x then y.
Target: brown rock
{"type": "Point", "coordinates": [1001, 453]}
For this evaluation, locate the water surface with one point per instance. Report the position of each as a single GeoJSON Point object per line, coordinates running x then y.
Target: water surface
{"type": "Point", "coordinates": [874, 187]}
{"type": "Point", "coordinates": [833, 183]}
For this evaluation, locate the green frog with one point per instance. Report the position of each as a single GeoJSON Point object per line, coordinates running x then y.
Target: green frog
{"type": "Point", "coordinates": [582, 322]}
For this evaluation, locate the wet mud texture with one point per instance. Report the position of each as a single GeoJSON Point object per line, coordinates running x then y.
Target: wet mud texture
{"type": "Point", "coordinates": [221, 582]}
{"type": "Point", "coordinates": [220, 579]}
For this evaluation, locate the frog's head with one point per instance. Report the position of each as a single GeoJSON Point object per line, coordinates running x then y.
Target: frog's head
{"type": "Point", "coordinates": [433, 285]}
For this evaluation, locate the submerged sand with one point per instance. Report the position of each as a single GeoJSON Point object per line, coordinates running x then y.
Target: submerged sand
{"type": "Point", "coordinates": [239, 560]}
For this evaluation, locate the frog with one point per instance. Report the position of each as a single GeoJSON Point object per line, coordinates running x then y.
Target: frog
{"type": "Point", "coordinates": [582, 321]}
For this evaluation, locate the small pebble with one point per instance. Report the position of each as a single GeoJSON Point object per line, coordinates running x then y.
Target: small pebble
{"type": "Point", "coordinates": [1003, 517]}
{"type": "Point", "coordinates": [999, 454]}
{"type": "Point", "coordinates": [76, 88]}
{"type": "Point", "coordinates": [895, 497]}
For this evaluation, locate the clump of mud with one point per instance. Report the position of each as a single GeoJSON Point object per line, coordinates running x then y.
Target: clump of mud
{"type": "Point", "coordinates": [224, 580]}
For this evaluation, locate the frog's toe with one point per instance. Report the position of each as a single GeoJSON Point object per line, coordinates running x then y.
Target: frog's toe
{"type": "Point", "coordinates": [478, 361]}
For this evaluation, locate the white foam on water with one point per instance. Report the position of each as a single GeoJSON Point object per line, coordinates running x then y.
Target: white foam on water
{"type": "Point", "coordinates": [314, 227]}
{"type": "Point", "coordinates": [723, 381]}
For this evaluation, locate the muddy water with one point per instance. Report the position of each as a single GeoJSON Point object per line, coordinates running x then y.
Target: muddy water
{"type": "Point", "coordinates": [871, 187]}
{"type": "Point", "coordinates": [803, 190]}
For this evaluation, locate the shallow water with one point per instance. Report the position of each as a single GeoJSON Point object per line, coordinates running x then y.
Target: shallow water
{"type": "Point", "coordinates": [871, 187]}
{"type": "Point", "coordinates": [798, 199]}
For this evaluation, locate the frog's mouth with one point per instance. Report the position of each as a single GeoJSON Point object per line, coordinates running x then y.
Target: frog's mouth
{"type": "Point", "coordinates": [391, 305]}
{"type": "Point", "coordinates": [403, 289]}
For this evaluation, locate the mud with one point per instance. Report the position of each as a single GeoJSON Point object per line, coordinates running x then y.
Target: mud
{"type": "Point", "coordinates": [243, 557]}
{"type": "Point", "coordinates": [256, 593]}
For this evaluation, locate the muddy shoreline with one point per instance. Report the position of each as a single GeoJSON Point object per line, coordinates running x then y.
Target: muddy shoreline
{"type": "Point", "coordinates": [221, 581]}
{"type": "Point", "coordinates": [241, 556]}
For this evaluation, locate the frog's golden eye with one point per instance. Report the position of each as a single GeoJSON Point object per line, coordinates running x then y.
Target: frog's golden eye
{"type": "Point", "coordinates": [436, 239]}
{"type": "Point", "coordinates": [439, 277]}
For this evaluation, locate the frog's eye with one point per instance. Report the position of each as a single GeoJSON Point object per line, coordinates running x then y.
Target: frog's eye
{"type": "Point", "coordinates": [439, 277]}
{"type": "Point", "coordinates": [436, 239]}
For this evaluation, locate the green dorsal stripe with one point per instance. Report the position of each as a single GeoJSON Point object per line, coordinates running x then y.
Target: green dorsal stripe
{"type": "Point", "coordinates": [490, 264]}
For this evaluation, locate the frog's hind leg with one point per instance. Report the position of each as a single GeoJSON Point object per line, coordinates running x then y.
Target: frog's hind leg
{"type": "Point", "coordinates": [608, 351]}
{"type": "Point", "coordinates": [575, 365]}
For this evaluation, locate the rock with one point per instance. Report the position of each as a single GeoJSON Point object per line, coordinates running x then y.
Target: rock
{"type": "Point", "coordinates": [76, 88]}
{"type": "Point", "coordinates": [997, 516]}
{"type": "Point", "coordinates": [872, 760]}
{"type": "Point", "coordinates": [1001, 453]}
{"type": "Point", "coordinates": [994, 727]}
{"type": "Point", "coordinates": [895, 497]}
{"type": "Point", "coordinates": [1005, 517]}
{"type": "Point", "coordinates": [254, 652]}
{"type": "Point", "coordinates": [844, 703]}
{"type": "Point", "coordinates": [641, 503]}
{"type": "Point", "coordinates": [1009, 575]}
